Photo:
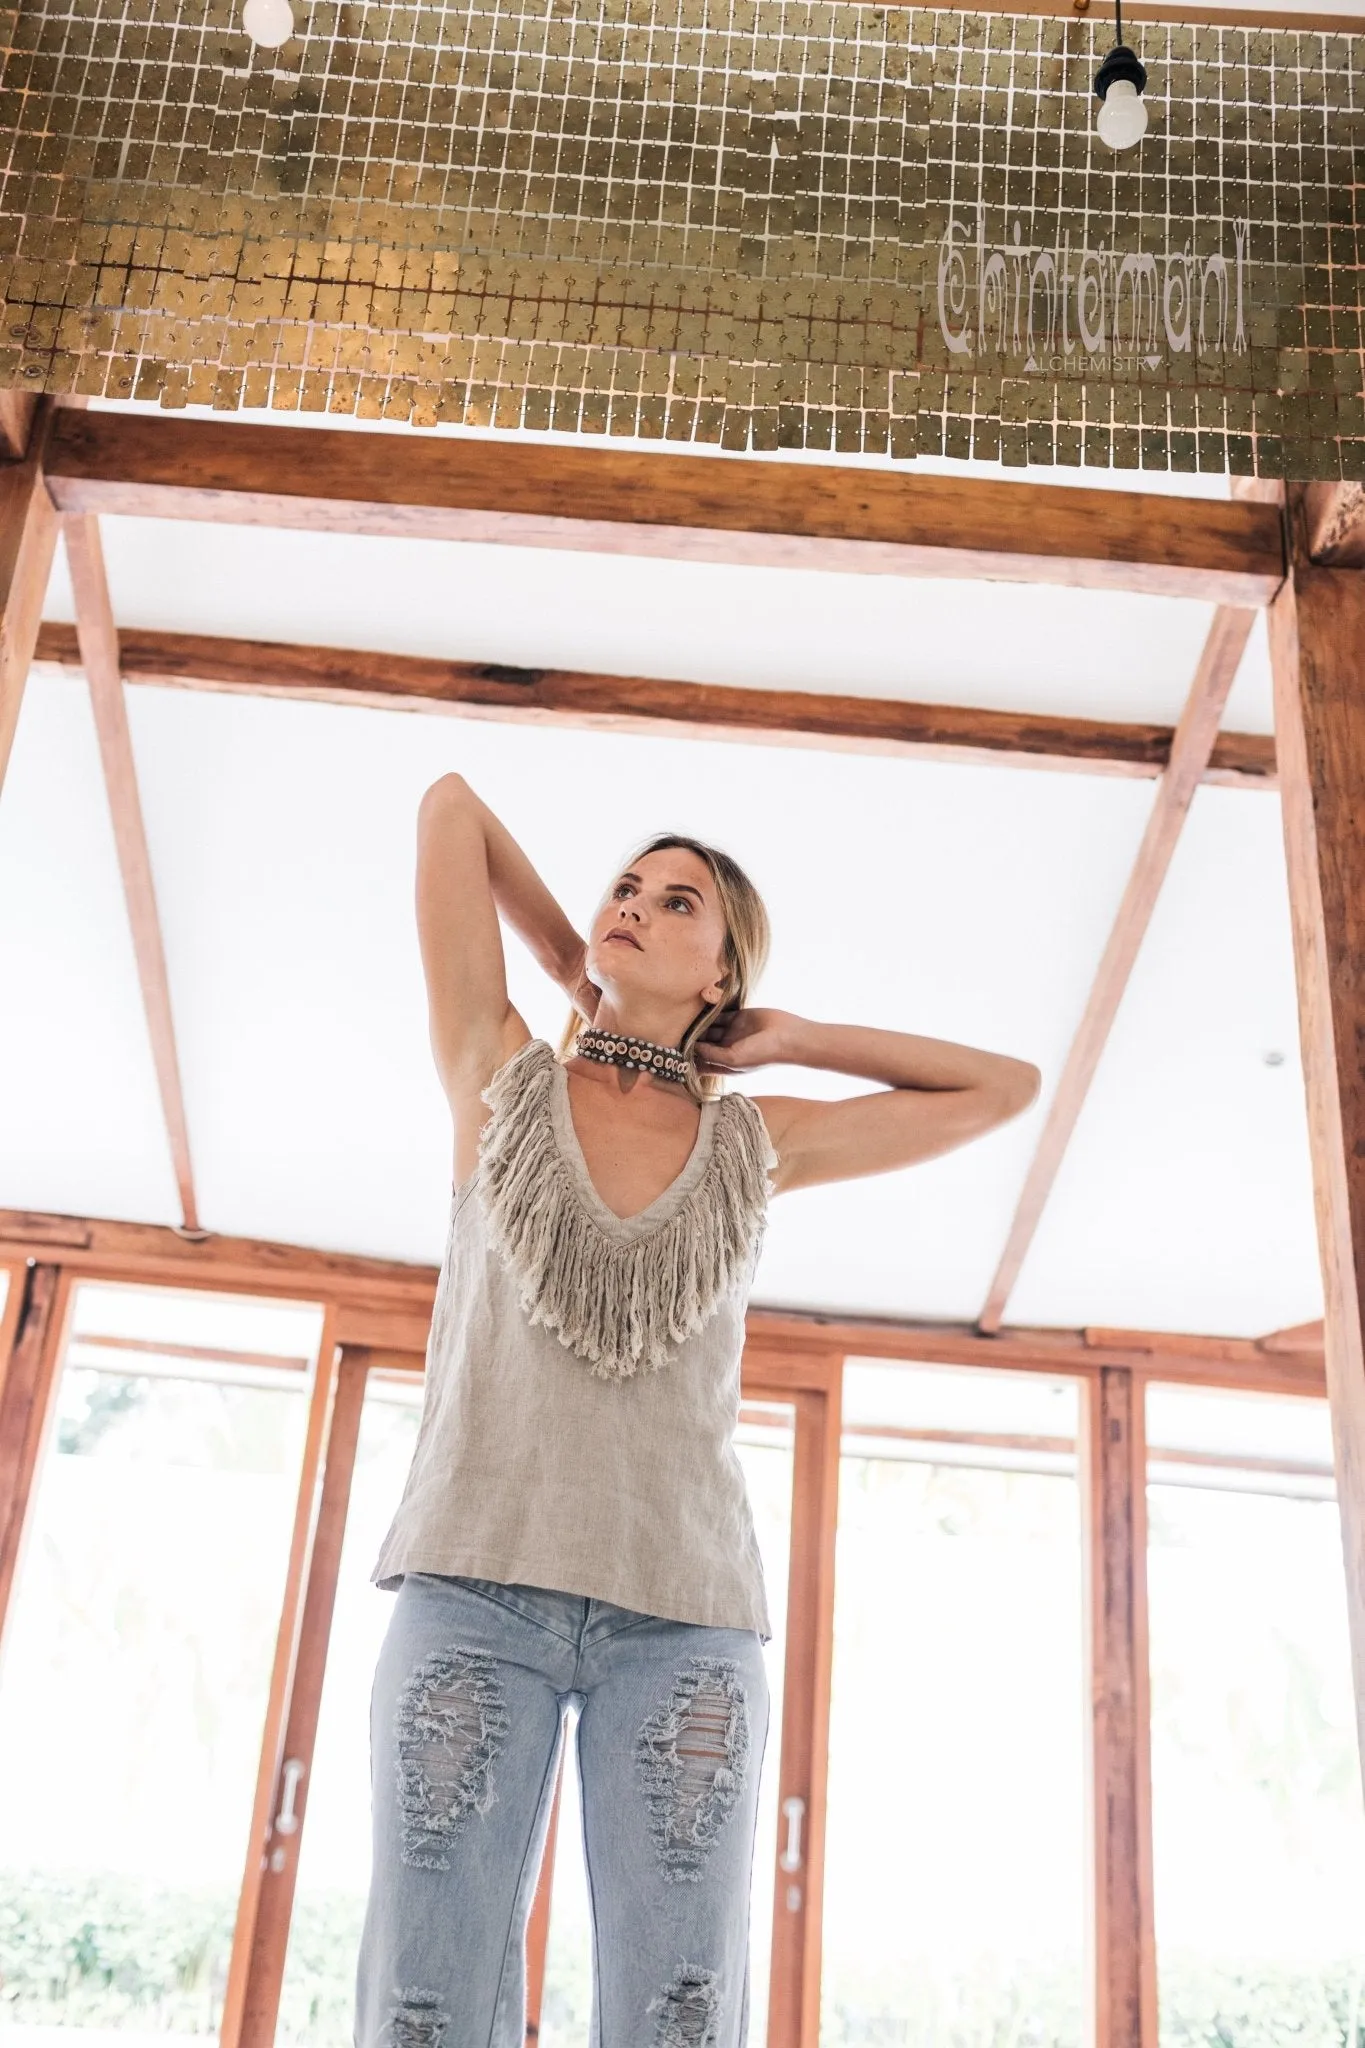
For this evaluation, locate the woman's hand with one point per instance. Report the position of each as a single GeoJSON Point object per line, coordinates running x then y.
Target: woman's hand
{"type": "Point", "coordinates": [740, 1040]}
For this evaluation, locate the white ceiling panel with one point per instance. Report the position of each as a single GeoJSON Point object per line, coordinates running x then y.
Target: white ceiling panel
{"type": "Point", "coordinates": [1187, 1185]}
{"type": "Point", "coordinates": [959, 902]}
{"type": "Point", "coordinates": [80, 1119]}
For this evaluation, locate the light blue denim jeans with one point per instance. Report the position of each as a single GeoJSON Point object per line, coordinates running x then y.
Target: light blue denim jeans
{"type": "Point", "coordinates": [474, 1685]}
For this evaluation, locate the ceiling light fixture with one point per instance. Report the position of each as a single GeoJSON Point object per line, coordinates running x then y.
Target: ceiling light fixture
{"type": "Point", "coordinates": [1119, 86]}
{"type": "Point", "coordinates": [268, 22]}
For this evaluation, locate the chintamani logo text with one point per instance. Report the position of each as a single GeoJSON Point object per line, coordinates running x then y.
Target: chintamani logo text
{"type": "Point", "coordinates": [1072, 308]}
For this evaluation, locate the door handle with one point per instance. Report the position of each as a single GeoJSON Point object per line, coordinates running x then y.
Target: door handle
{"type": "Point", "coordinates": [793, 1812]}
{"type": "Point", "coordinates": [287, 1819]}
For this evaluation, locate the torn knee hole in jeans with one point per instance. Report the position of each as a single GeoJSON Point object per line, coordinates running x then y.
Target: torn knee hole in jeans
{"type": "Point", "coordinates": [450, 1725]}
{"type": "Point", "coordinates": [686, 2014]}
{"type": "Point", "coordinates": [417, 2021]}
{"type": "Point", "coordinates": [692, 1756]}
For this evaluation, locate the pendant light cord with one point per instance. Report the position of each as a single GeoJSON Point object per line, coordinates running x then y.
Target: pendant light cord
{"type": "Point", "coordinates": [1118, 21]}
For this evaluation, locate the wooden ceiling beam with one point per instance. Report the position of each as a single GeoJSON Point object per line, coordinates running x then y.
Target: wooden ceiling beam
{"type": "Point", "coordinates": [726, 509]}
{"type": "Point", "coordinates": [1190, 754]}
{"type": "Point", "coordinates": [98, 645]}
{"type": "Point", "coordinates": [635, 704]}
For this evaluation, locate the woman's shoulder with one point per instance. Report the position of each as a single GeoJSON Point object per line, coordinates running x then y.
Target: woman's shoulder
{"type": "Point", "coordinates": [531, 1059]}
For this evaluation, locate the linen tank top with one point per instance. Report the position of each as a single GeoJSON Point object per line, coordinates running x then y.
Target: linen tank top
{"type": "Point", "coordinates": [582, 1370]}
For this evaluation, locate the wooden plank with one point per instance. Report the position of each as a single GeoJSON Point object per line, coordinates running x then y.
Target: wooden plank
{"type": "Point", "coordinates": [28, 1389]}
{"type": "Point", "coordinates": [1198, 1361]}
{"type": "Point", "coordinates": [1190, 752]}
{"type": "Point", "coordinates": [686, 507]}
{"type": "Point", "coordinates": [803, 1770]}
{"type": "Point", "coordinates": [388, 1304]}
{"type": "Point", "coordinates": [306, 1512]}
{"type": "Point", "coordinates": [1122, 1929]}
{"type": "Point", "coordinates": [153, 1253]}
{"type": "Point", "coordinates": [1317, 645]}
{"type": "Point", "coordinates": [98, 640]}
{"type": "Point", "coordinates": [1298, 1337]}
{"type": "Point", "coordinates": [28, 536]}
{"type": "Point", "coordinates": [264, 1976]}
{"type": "Point", "coordinates": [638, 704]}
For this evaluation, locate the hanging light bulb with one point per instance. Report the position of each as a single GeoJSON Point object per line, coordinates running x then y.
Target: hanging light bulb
{"type": "Point", "coordinates": [268, 22]}
{"type": "Point", "coordinates": [1119, 85]}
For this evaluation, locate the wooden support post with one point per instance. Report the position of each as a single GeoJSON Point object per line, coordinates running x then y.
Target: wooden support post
{"type": "Point", "coordinates": [1114, 1497]}
{"type": "Point", "coordinates": [28, 1382]}
{"type": "Point", "coordinates": [28, 535]}
{"type": "Point", "coordinates": [301, 1643]}
{"type": "Point", "coordinates": [1317, 645]}
{"type": "Point", "coordinates": [799, 1874]}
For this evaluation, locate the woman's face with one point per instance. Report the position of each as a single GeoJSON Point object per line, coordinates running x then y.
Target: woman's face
{"type": "Point", "coordinates": [659, 931]}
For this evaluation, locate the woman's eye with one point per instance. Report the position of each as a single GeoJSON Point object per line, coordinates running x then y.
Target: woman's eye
{"type": "Point", "coordinates": [680, 899]}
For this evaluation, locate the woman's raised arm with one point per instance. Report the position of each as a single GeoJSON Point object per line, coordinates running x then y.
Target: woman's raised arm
{"type": "Point", "coordinates": [470, 871]}
{"type": "Point", "coordinates": [935, 1096]}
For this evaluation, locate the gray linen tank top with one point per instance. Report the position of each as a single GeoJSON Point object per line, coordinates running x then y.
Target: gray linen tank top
{"type": "Point", "coordinates": [582, 1376]}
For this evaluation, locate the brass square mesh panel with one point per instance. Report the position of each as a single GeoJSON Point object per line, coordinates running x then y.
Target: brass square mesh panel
{"type": "Point", "coordinates": [763, 223]}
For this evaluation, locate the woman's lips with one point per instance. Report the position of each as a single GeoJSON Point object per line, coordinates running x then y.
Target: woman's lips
{"type": "Point", "coordinates": [626, 939]}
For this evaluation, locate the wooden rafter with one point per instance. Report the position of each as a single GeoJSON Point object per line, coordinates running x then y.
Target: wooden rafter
{"type": "Point", "coordinates": [637, 704]}
{"type": "Point", "coordinates": [688, 507]}
{"type": "Point", "coordinates": [98, 647]}
{"type": "Point", "coordinates": [1190, 752]}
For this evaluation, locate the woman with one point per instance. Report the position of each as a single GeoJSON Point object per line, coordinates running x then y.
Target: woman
{"type": "Point", "coordinates": [574, 1530]}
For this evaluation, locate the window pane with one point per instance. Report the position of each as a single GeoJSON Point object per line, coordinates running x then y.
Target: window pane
{"type": "Point", "coordinates": [334, 1857]}
{"type": "Point", "coordinates": [1258, 1828]}
{"type": "Point", "coordinates": [764, 1444]}
{"type": "Point", "coordinates": [956, 1849]}
{"type": "Point", "coordinates": [138, 1664]}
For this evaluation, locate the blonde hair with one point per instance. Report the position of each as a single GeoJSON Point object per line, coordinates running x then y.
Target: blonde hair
{"type": "Point", "coordinates": [743, 956]}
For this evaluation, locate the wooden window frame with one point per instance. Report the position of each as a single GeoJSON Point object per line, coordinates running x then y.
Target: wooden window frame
{"type": "Point", "coordinates": [376, 1312]}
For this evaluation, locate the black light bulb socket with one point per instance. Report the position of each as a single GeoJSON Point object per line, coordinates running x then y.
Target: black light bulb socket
{"type": "Point", "coordinates": [1120, 63]}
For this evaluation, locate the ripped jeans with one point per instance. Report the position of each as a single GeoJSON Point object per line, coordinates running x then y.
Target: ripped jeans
{"type": "Point", "coordinates": [468, 1715]}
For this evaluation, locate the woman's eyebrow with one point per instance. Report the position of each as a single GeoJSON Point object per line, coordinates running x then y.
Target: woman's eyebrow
{"type": "Point", "coordinates": [672, 887]}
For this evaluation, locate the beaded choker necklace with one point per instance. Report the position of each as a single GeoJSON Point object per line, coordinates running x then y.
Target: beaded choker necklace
{"type": "Point", "coordinates": [619, 1049]}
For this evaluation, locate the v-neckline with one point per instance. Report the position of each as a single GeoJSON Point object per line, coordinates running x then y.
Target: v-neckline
{"type": "Point", "coordinates": [665, 1204]}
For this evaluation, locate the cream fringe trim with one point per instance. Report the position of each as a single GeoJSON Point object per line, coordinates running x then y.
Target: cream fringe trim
{"type": "Point", "coordinates": [618, 1305]}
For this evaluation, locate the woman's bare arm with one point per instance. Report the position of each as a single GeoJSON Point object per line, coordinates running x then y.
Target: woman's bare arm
{"type": "Point", "coordinates": [935, 1094]}
{"type": "Point", "coordinates": [470, 871]}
